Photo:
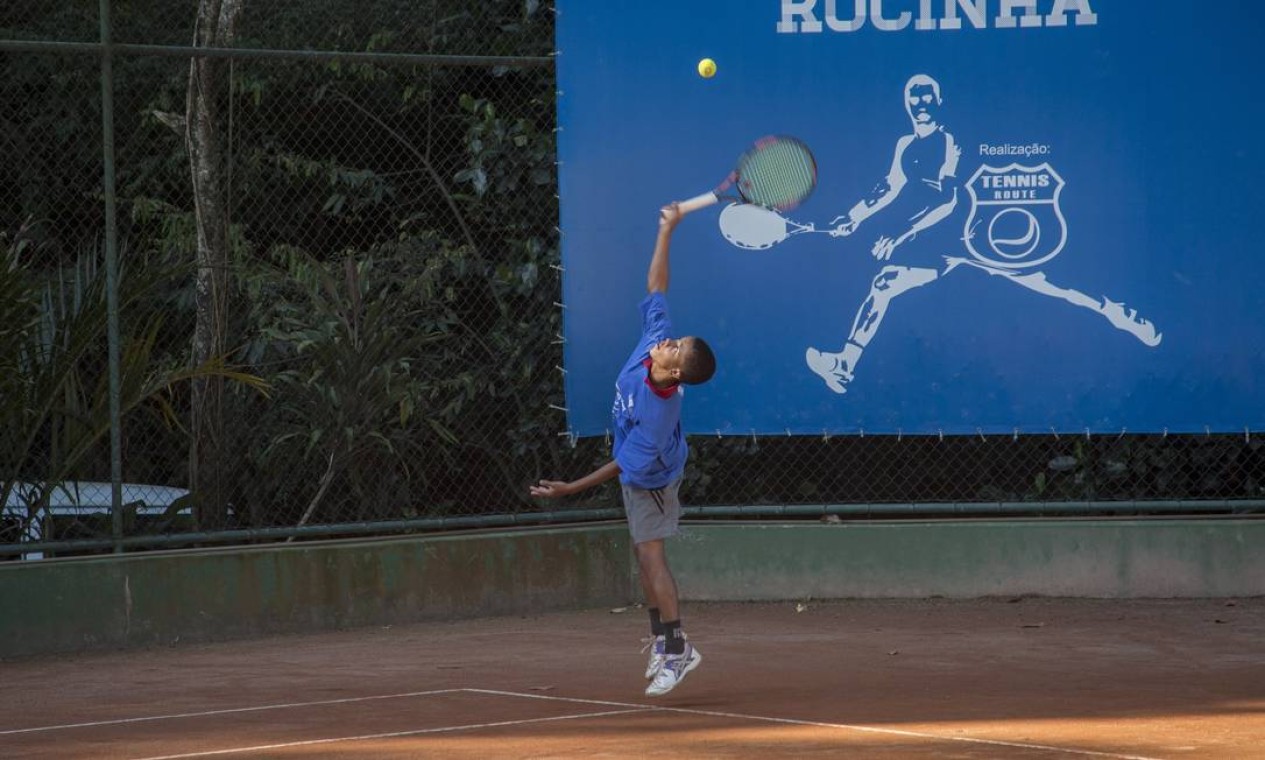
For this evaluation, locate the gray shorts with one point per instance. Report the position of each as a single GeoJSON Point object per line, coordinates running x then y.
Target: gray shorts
{"type": "Point", "coordinates": [652, 514]}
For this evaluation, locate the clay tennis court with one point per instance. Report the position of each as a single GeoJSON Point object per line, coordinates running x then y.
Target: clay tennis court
{"type": "Point", "coordinates": [997, 678]}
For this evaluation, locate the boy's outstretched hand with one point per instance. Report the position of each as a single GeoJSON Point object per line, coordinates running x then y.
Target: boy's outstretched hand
{"type": "Point", "coordinates": [551, 489]}
{"type": "Point", "coordinates": [670, 215]}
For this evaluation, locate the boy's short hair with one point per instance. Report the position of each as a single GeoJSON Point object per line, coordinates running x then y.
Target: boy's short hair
{"type": "Point", "coordinates": [699, 363]}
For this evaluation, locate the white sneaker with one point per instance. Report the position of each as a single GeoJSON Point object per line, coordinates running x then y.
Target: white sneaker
{"type": "Point", "coordinates": [675, 668]}
{"type": "Point", "coordinates": [655, 645]}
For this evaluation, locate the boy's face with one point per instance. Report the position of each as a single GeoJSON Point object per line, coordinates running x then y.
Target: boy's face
{"type": "Point", "coordinates": [669, 354]}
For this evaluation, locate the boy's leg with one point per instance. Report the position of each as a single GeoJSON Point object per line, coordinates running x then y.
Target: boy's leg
{"type": "Point", "coordinates": [650, 582]}
{"type": "Point", "coordinates": [679, 656]}
{"type": "Point", "coordinates": [657, 582]}
{"type": "Point", "coordinates": [654, 515]}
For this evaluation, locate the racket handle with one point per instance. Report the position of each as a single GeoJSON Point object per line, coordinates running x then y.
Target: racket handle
{"type": "Point", "coordinates": [697, 202]}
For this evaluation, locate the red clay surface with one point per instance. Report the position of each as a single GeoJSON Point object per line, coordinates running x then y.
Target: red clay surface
{"type": "Point", "coordinates": [1030, 678]}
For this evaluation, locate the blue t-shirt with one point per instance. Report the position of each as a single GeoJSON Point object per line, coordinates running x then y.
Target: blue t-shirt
{"type": "Point", "coordinates": [649, 447]}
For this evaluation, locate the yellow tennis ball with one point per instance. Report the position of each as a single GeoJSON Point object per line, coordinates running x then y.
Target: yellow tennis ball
{"type": "Point", "coordinates": [707, 68]}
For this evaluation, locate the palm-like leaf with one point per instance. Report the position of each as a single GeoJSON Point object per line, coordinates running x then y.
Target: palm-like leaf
{"type": "Point", "coordinates": [54, 389]}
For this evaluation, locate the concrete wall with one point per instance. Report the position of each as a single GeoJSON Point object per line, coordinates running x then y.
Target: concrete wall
{"type": "Point", "coordinates": [158, 598]}
{"type": "Point", "coordinates": [1212, 557]}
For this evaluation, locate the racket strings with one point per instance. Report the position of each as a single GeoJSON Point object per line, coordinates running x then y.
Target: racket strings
{"type": "Point", "coordinates": [780, 175]}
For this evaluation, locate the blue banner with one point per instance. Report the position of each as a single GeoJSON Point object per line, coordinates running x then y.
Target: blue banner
{"type": "Point", "coordinates": [1031, 215]}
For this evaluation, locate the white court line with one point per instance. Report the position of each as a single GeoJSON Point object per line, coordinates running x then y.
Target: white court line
{"type": "Point", "coordinates": [205, 713]}
{"type": "Point", "coordinates": [394, 734]}
{"type": "Point", "coordinates": [626, 707]}
{"type": "Point", "coordinates": [791, 721]}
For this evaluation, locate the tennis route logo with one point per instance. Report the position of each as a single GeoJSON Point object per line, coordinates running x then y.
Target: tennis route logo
{"type": "Point", "coordinates": [1015, 220]}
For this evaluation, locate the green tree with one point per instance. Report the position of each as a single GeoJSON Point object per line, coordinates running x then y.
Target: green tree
{"type": "Point", "coordinates": [54, 411]}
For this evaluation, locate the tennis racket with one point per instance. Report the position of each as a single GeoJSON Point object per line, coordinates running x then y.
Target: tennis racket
{"type": "Point", "coordinates": [778, 172]}
{"type": "Point", "coordinates": [756, 227]}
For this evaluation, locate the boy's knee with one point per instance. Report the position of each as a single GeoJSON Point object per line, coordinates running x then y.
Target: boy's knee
{"type": "Point", "coordinates": [650, 552]}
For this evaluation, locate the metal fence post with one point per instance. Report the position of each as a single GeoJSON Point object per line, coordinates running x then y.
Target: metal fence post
{"type": "Point", "coordinates": [112, 279]}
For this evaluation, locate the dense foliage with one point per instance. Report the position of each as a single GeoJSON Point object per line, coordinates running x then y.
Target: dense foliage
{"type": "Point", "coordinates": [393, 228]}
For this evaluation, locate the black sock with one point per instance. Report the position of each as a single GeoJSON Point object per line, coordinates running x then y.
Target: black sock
{"type": "Point", "coordinates": [656, 624]}
{"type": "Point", "coordinates": [673, 638]}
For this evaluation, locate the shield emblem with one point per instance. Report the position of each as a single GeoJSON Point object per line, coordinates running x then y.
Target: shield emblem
{"type": "Point", "coordinates": [1015, 220]}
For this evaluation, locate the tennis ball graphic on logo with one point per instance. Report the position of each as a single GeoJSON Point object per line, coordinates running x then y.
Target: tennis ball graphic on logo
{"type": "Point", "coordinates": [1014, 233]}
{"type": "Point", "coordinates": [707, 68]}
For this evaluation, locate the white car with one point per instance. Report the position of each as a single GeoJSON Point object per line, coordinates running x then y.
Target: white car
{"type": "Point", "coordinates": [79, 498]}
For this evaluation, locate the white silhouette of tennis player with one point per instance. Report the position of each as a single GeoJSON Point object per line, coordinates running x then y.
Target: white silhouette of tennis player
{"type": "Point", "coordinates": [924, 171]}
{"type": "Point", "coordinates": [923, 177]}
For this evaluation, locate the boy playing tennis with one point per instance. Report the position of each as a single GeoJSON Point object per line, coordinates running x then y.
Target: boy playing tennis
{"type": "Point", "coordinates": [649, 457]}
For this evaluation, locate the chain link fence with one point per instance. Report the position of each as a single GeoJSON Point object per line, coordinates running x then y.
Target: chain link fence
{"type": "Point", "coordinates": [337, 290]}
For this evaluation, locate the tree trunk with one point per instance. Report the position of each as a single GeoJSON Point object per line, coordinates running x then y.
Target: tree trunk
{"type": "Point", "coordinates": [204, 137]}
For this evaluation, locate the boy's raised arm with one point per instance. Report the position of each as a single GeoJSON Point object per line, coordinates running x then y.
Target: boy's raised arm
{"type": "Point", "coordinates": [657, 277]}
